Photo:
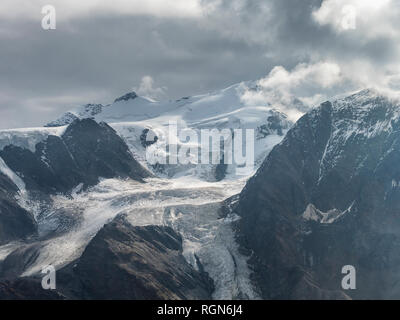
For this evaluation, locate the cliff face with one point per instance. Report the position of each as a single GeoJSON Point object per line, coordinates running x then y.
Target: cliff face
{"type": "Point", "coordinates": [86, 152]}
{"type": "Point", "coordinates": [326, 197]}
{"type": "Point", "coordinates": [137, 263]}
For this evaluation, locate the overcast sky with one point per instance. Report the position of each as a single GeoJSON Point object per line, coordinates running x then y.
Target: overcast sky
{"type": "Point", "coordinates": [166, 49]}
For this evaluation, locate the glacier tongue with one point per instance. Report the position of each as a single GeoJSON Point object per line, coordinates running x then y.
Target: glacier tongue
{"type": "Point", "coordinates": [132, 115]}
{"type": "Point", "coordinates": [188, 205]}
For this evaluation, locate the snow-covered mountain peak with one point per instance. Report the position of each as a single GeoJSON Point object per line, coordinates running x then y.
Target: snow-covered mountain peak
{"type": "Point", "coordinates": [369, 107]}
{"type": "Point", "coordinates": [353, 126]}
{"type": "Point", "coordinates": [131, 107]}
{"type": "Point", "coordinates": [87, 111]}
{"type": "Point", "coordinates": [133, 116]}
{"type": "Point", "coordinates": [361, 96]}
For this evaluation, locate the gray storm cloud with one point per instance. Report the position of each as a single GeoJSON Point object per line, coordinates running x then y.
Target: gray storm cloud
{"type": "Point", "coordinates": [169, 49]}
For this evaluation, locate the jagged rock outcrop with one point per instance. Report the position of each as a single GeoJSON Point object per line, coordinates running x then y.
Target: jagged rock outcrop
{"type": "Point", "coordinates": [126, 97]}
{"type": "Point", "coordinates": [85, 152]}
{"type": "Point", "coordinates": [136, 263]}
{"type": "Point", "coordinates": [326, 197]}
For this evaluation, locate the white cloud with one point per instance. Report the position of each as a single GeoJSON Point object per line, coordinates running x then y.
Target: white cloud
{"type": "Point", "coordinates": [316, 82]}
{"type": "Point", "coordinates": [322, 74]}
{"type": "Point", "coordinates": [147, 89]}
{"type": "Point", "coordinates": [67, 9]}
{"type": "Point", "coordinates": [310, 83]}
{"type": "Point", "coordinates": [371, 42]}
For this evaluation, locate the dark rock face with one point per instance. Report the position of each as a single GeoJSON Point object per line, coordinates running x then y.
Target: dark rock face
{"type": "Point", "coordinates": [326, 197]}
{"type": "Point", "coordinates": [121, 262]}
{"type": "Point", "coordinates": [26, 289]}
{"type": "Point", "coordinates": [147, 138]}
{"type": "Point", "coordinates": [92, 110]}
{"type": "Point", "coordinates": [98, 150]}
{"type": "Point", "coordinates": [126, 262]}
{"type": "Point", "coordinates": [15, 222]}
{"type": "Point", "coordinates": [86, 151]}
{"type": "Point", "coordinates": [129, 96]}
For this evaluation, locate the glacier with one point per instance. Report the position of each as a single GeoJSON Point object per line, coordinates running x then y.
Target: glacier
{"type": "Point", "coordinates": [188, 206]}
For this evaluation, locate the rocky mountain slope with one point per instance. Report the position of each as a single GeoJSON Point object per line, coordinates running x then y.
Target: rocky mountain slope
{"type": "Point", "coordinates": [136, 263]}
{"type": "Point", "coordinates": [15, 221]}
{"type": "Point", "coordinates": [326, 197]}
{"type": "Point", "coordinates": [122, 262]}
{"type": "Point", "coordinates": [85, 152]}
